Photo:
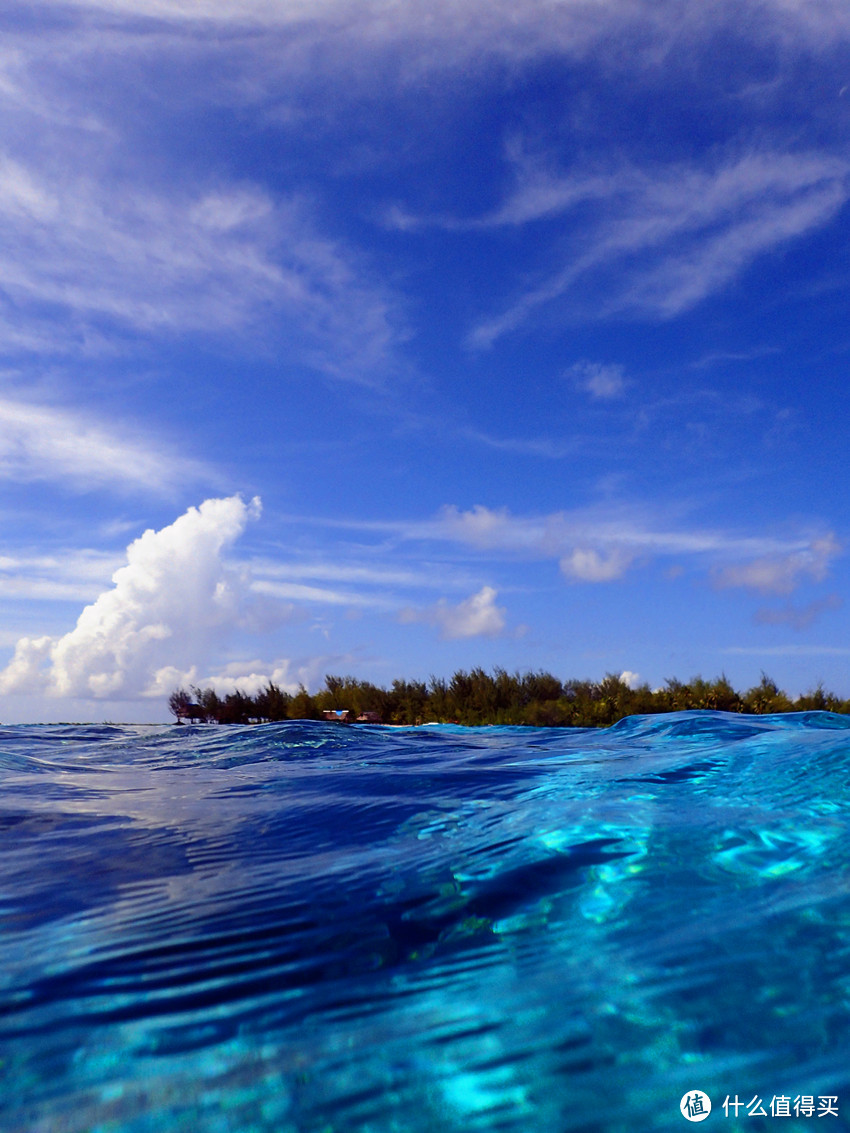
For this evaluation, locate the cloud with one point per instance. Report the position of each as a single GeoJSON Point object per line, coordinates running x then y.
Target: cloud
{"type": "Point", "coordinates": [171, 602]}
{"type": "Point", "coordinates": [69, 576]}
{"type": "Point", "coordinates": [323, 595]}
{"type": "Point", "coordinates": [126, 241]}
{"type": "Point", "coordinates": [70, 448]}
{"type": "Point", "coordinates": [543, 447]}
{"type": "Point", "coordinates": [600, 544]}
{"type": "Point", "coordinates": [781, 574]}
{"type": "Point", "coordinates": [144, 259]}
{"type": "Point", "coordinates": [287, 673]}
{"type": "Point", "coordinates": [587, 565]}
{"type": "Point", "coordinates": [230, 259]}
{"type": "Point", "coordinates": [353, 572]}
{"type": "Point", "coordinates": [476, 616]}
{"type": "Point", "coordinates": [798, 617]}
{"type": "Point", "coordinates": [661, 240]}
{"type": "Point", "coordinates": [603, 382]}
{"type": "Point", "coordinates": [451, 34]}
{"type": "Point", "coordinates": [484, 527]}
{"type": "Point", "coordinates": [367, 587]}
{"type": "Point", "coordinates": [629, 678]}
{"type": "Point", "coordinates": [794, 650]}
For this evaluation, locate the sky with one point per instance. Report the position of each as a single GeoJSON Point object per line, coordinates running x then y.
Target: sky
{"type": "Point", "coordinates": [392, 338]}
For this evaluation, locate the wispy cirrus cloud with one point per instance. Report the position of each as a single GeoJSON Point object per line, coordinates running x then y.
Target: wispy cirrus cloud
{"type": "Point", "coordinates": [663, 240]}
{"type": "Point", "coordinates": [543, 447]}
{"type": "Point", "coordinates": [602, 543]}
{"type": "Point", "coordinates": [73, 449]}
{"type": "Point", "coordinates": [151, 260]}
{"type": "Point", "coordinates": [504, 28]}
{"type": "Point", "coordinates": [73, 575]}
{"type": "Point", "coordinates": [354, 572]}
{"type": "Point", "coordinates": [152, 256]}
{"type": "Point", "coordinates": [324, 595]}
{"type": "Point", "coordinates": [345, 580]}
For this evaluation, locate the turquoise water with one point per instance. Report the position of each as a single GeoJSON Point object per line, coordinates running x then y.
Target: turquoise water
{"type": "Point", "coordinates": [310, 927]}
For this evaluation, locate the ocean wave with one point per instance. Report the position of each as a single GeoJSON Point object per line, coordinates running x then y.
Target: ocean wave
{"type": "Point", "coordinates": [307, 926]}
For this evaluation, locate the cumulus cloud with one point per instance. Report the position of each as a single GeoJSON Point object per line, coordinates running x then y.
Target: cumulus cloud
{"type": "Point", "coordinates": [168, 605]}
{"type": "Point", "coordinates": [586, 564]}
{"type": "Point", "coordinates": [476, 616]}
{"type": "Point", "coordinates": [483, 527]}
{"type": "Point", "coordinates": [287, 673]}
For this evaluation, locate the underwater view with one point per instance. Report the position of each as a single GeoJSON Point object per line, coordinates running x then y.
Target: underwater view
{"type": "Point", "coordinates": [319, 928]}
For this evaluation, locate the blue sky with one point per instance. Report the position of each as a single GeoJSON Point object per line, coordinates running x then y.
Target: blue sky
{"type": "Point", "coordinates": [394, 338]}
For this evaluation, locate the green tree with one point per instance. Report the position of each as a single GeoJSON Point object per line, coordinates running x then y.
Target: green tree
{"type": "Point", "coordinates": [180, 704]}
{"type": "Point", "coordinates": [765, 697]}
{"type": "Point", "coordinates": [302, 706]}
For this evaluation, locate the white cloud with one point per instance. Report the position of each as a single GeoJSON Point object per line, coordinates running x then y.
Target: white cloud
{"type": "Point", "coordinates": [169, 604]}
{"type": "Point", "coordinates": [781, 574]}
{"type": "Point", "coordinates": [485, 527]}
{"type": "Point", "coordinates": [629, 678]}
{"type": "Point", "coordinates": [504, 28]}
{"type": "Point", "coordinates": [62, 446]}
{"type": "Point", "coordinates": [301, 592]}
{"type": "Point", "coordinates": [539, 194]}
{"type": "Point", "coordinates": [588, 565]}
{"type": "Point", "coordinates": [602, 381]}
{"type": "Point", "coordinates": [252, 676]}
{"type": "Point", "coordinates": [795, 650]}
{"type": "Point", "coordinates": [543, 447]}
{"type": "Point", "coordinates": [599, 544]}
{"type": "Point", "coordinates": [69, 576]}
{"type": "Point", "coordinates": [112, 245]}
{"type": "Point", "coordinates": [664, 239]}
{"type": "Point", "coordinates": [147, 260]}
{"type": "Point", "coordinates": [162, 260]}
{"type": "Point", "coordinates": [476, 616]}
{"type": "Point", "coordinates": [370, 575]}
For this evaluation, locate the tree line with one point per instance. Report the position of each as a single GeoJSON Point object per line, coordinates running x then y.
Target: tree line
{"type": "Point", "coordinates": [478, 697]}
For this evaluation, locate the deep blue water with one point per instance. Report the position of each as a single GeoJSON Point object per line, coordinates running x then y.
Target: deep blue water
{"type": "Point", "coordinates": [310, 927]}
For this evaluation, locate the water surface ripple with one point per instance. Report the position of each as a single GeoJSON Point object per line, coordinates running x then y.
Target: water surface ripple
{"type": "Point", "coordinates": [317, 928]}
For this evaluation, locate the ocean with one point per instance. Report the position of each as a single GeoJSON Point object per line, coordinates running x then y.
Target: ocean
{"type": "Point", "coordinates": [318, 928]}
